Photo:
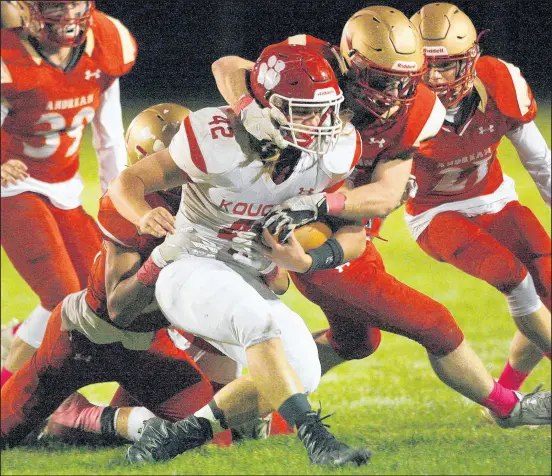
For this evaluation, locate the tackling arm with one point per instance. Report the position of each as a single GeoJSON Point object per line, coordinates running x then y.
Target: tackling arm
{"type": "Point", "coordinates": [127, 297]}
{"type": "Point", "coordinates": [153, 173]}
{"type": "Point", "coordinates": [535, 156]}
{"type": "Point", "coordinates": [230, 76]}
{"type": "Point", "coordinates": [380, 197]}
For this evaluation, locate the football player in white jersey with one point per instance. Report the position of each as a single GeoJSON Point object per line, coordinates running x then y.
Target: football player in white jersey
{"type": "Point", "coordinates": [214, 288]}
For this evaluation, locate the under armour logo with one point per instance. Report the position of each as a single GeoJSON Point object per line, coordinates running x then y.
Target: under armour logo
{"type": "Point", "coordinates": [482, 130]}
{"type": "Point", "coordinates": [379, 142]}
{"type": "Point", "coordinates": [88, 74]}
{"type": "Point", "coordinates": [86, 358]}
{"type": "Point", "coordinates": [302, 191]}
{"type": "Point", "coordinates": [342, 267]}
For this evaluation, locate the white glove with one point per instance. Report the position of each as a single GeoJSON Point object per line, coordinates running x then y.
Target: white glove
{"type": "Point", "coordinates": [247, 250]}
{"type": "Point", "coordinates": [410, 190]}
{"type": "Point", "coordinates": [295, 212]}
{"type": "Point", "coordinates": [260, 123]}
{"type": "Point", "coordinates": [173, 248]}
{"type": "Point", "coordinates": [411, 187]}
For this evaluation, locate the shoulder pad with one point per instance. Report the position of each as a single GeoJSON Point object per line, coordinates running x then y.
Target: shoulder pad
{"type": "Point", "coordinates": [119, 230]}
{"type": "Point", "coordinates": [205, 144]}
{"type": "Point", "coordinates": [424, 119]}
{"type": "Point", "coordinates": [505, 84]}
{"type": "Point", "coordinates": [346, 154]}
{"type": "Point", "coordinates": [111, 45]}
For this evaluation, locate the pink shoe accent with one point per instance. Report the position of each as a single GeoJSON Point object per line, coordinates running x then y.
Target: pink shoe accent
{"type": "Point", "coordinates": [501, 401]}
{"type": "Point", "coordinates": [77, 412]}
{"type": "Point", "coordinates": [5, 376]}
{"type": "Point", "coordinates": [512, 378]}
{"type": "Point", "coordinates": [15, 328]}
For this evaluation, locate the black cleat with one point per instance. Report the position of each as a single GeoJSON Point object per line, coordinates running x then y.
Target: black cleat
{"type": "Point", "coordinates": [162, 440]}
{"type": "Point", "coordinates": [323, 448]}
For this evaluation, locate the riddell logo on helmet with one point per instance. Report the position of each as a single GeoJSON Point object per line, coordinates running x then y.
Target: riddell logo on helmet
{"type": "Point", "coordinates": [324, 93]}
{"type": "Point", "coordinates": [405, 65]}
{"type": "Point", "coordinates": [435, 50]}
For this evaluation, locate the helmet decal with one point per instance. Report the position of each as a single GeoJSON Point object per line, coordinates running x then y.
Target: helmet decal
{"type": "Point", "coordinates": [269, 72]}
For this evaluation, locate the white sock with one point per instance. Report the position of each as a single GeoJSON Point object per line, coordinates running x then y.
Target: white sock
{"type": "Point", "coordinates": [207, 413]}
{"type": "Point", "coordinates": [136, 420]}
{"type": "Point", "coordinates": [33, 328]}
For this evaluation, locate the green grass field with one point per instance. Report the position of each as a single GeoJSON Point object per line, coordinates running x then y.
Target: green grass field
{"type": "Point", "coordinates": [391, 401]}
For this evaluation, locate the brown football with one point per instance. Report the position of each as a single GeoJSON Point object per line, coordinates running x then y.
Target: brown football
{"type": "Point", "coordinates": [312, 235]}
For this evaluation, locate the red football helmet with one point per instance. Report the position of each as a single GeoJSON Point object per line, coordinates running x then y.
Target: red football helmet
{"type": "Point", "coordinates": [301, 84]}
{"type": "Point", "coordinates": [59, 23]}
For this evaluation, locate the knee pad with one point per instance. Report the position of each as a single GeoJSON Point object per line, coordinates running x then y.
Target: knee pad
{"type": "Point", "coordinates": [356, 348]}
{"type": "Point", "coordinates": [504, 272]}
{"type": "Point", "coordinates": [249, 332]}
{"type": "Point", "coordinates": [438, 332]}
{"type": "Point", "coordinates": [33, 328]}
{"type": "Point", "coordinates": [523, 299]}
{"type": "Point", "coordinates": [309, 373]}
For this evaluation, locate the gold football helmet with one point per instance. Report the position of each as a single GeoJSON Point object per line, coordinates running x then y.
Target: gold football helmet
{"type": "Point", "coordinates": [448, 37]}
{"type": "Point", "coordinates": [15, 14]}
{"type": "Point", "coordinates": [383, 53]}
{"type": "Point", "coordinates": [153, 129]}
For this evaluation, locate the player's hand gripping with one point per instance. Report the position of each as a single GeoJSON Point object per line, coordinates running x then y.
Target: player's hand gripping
{"type": "Point", "coordinates": [294, 212]}
{"type": "Point", "coordinates": [13, 171]}
{"type": "Point", "coordinates": [409, 191]}
{"type": "Point", "coordinates": [289, 255]}
{"type": "Point", "coordinates": [157, 222]}
{"type": "Point", "coordinates": [261, 123]}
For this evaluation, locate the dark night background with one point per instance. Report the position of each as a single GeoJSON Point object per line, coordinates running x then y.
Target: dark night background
{"type": "Point", "coordinates": [178, 40]}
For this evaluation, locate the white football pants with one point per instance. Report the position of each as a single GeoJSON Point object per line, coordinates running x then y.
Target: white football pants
{"type": "Point", "coordinates": [232, 311]}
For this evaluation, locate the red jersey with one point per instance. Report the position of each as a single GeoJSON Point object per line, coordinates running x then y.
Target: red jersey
{"type": "Point", "coordinates": [123, 233]}
{"type": "Point", "coordinates": [49, 107]}
{"type": "Point", "coordinates": [461, 162]}
{"type": "Point", "coordinates": [389, 140]}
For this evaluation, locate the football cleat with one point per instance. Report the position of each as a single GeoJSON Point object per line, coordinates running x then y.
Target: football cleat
{"type": "Point", "coordinates": [324, 449]}
{"type": "Point", "coordinates": [532, 409]}
{"type": "Point", "coordinates": [162, 440]}
{"type": "Point", "coordinates": [7, 333]}
{"type": "Point", "coordinates": [257, 429]}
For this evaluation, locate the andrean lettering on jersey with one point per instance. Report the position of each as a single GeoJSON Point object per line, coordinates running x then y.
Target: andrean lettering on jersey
{"type": "Point", "coordinates": [485, 154]}
{"type": "Point", "coordinates": [69, 103]}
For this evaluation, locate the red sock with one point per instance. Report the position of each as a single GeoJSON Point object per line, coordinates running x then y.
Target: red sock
{"type": "Point", "coordinates": [89, 419]}
{"type": "Point", "coordinates": [512, 378]}
{"type": "Point", "coordinates": [5, 376]}
{"type": "Point", "coordinates": [547, 355]}
{"type": "Point", "coordinates": [279, 426]}
{"type": "Point", "coordinates": [500, 401]}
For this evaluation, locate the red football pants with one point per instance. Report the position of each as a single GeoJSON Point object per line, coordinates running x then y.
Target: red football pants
{"type": "Point", "coordinates": [51, 249]}
{"type": "Point", "coordinates": [360, 299]}
{"type": "Point", "coordinates": [66, 361]}
{"type": "Point", "coordinates": [499, 248]}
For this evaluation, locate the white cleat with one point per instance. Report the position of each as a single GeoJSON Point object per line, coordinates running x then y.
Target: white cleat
{"type": "Point", "coordinates": [532, 409]}
{"type": "Point", "coordinates": [7, 338]}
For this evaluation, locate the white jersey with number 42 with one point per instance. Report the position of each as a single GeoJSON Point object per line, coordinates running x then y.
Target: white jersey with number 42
{"type": "Point", "coordinates": [228, 191]}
